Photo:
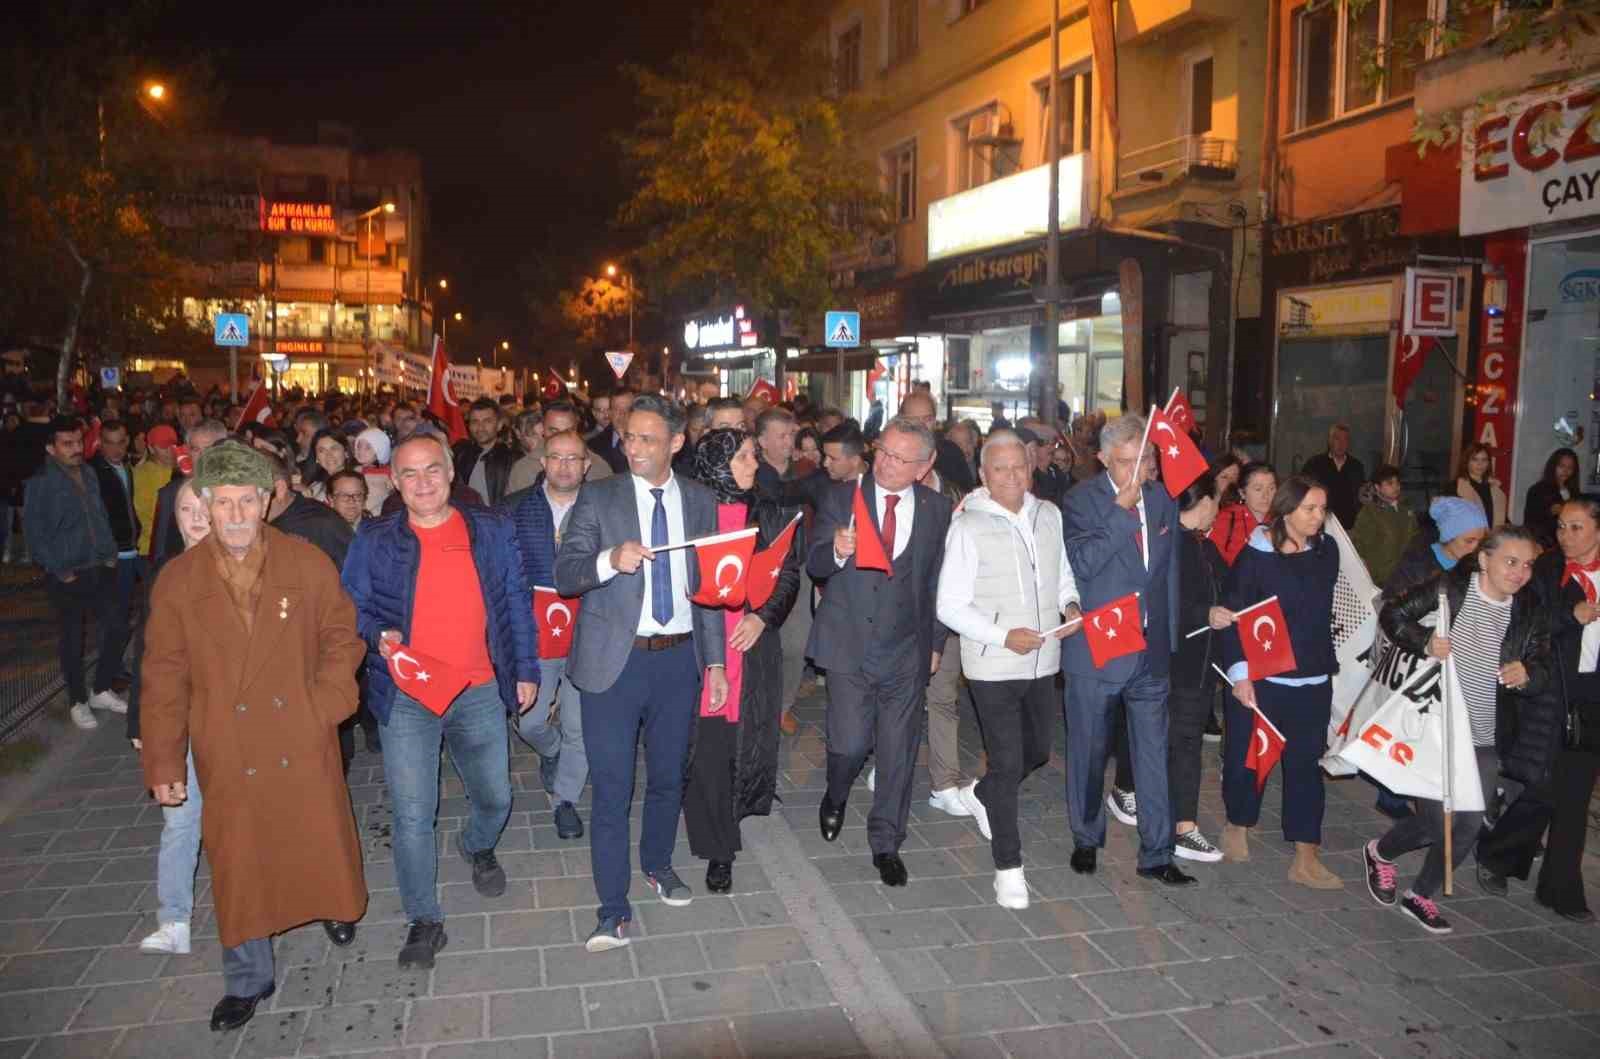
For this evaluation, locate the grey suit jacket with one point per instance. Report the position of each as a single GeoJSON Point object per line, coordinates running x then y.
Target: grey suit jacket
{"type": "Point", "coordinates": [840, 629]}
{"type": "Point", "coordinates": [607, 514]}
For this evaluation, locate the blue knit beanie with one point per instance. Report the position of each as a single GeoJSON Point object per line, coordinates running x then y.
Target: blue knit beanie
{"type": "Point", "coordinates": [1455, 516]}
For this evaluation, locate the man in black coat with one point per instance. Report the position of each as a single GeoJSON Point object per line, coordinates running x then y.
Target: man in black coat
{"type": "Point", "coordinates": [608, 443]}
{"type": "Point", "coordinates": [1340, 473]}
{"type": "Point", "coordinates": [115, 478]}
{"type": "Point", "coordinates": [311, 521]}
{"type": "Point", "coordinates": [481, 461]}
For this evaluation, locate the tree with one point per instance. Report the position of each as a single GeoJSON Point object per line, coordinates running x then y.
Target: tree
{"type": "Point", "coordinates": [596, 311]}
{"type": "Point", "coordinates": [85, 155]}
{"type": "Point", "coordinates": [746, 180]}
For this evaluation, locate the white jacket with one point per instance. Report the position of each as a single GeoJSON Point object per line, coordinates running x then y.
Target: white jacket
{"type": "Point", "coordinates": [1004, 571]}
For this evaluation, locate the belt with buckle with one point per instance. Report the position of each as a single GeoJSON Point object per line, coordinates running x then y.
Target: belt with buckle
{"type": "Point", "coordinates": [659, 643]}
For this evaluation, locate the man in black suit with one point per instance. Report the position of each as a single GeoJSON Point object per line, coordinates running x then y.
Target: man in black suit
{"type": "Point", "coordinates": [608, 443]}
{"type": "Point", "coordinates": [877, 635]}
{"type": "Point", "coordinates": [482, 463]}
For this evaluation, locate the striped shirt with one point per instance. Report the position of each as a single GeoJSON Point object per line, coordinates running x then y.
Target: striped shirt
{"type": "Point", "coordinates": [1476, 637]}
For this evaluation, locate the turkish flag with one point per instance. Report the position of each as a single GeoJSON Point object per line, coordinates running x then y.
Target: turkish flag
{"type": "Point", "coordinates": [766, 567]}
{"type": "Point", "coordinates": [441, 399]}
{"type": "Point", "coordinates": [425, 679]}
{"type": "Point", "coordinates": [1410, 352]}
{"type": "Point", "coordinates": [1114, 630]}
{"type": "Point", "coordinates": [555, 616]}
{"type": "Point", "coordinates": [91, 437]}
{"type": "Point", "coordinates": [870, 552]}
{"type": "Point", "coordinates": [765, 391]}
{"type": "Point", "coordinates": [1180, 413]}
{"type": "Point", "coordinates": [257, 409]}
{"type": "Point", "coordinates": [1266, 747]}
{"type": "Point", "coordinates": [724, 563]}
{"type": "Point", "coordinates": [1181, 462]}
{"type": "Point", "coordinates": [1264, 636]}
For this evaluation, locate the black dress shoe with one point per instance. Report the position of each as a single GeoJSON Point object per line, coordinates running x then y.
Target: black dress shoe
{"type": "Point", "coordinates": [719, 876]}
{"type": "Point", "coordinates": [1582, 915]}
{"type": "Point", "coordinates": [830, 818]}
{"type": "Point", "coordinates": [232, 1012]}
{"type": "Point", "coordinates": [341, 934]}
{"type": "Point", "coordinates": [891, 869]}
{"type": "Point", "coordinates": [1167, 874]}
{"type": "Point", "coordinates": [1083, 860]}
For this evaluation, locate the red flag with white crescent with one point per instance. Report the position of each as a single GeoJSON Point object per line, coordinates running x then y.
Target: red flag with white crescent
{"type": "Point", "coordinates": [425, 678]}
{"type": "Point", "coordinates": [1181, 461]}
{"type": "Point", "coordinates": [1179, 411]}
{"type": "Point", "coordinates": [724, 567]}
{"type": "Point", "coordinates": [1266, 747]}
{"type": "Point", "coordinates": [764, 390]}
{"type": "Point", "coordinates": [767, 566]}
{"type": "Point", "coordinates": [1114, 630]}
{"type": "Point", "coordinates": [257, 409]}
{"type": "Point", "coordinates": [442, 401]}
{"type": "Point", "coordinates": [1264, 637]}
{"type": "Point", "coordinates": [555, 616]}
{"type": "Point", "coordinates": [1410, 353]}
{"type": "Point", "coordinates": [871, 554]}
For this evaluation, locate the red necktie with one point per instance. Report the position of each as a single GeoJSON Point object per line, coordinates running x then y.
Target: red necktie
{"type": "Point", "coordinates": [1579, 571]}
{"type": "Point", "coordinates": [889, 503]}
{"type": "Point", "coordinates": [1138, 533]}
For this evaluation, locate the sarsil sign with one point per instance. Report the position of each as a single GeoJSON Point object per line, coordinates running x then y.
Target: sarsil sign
{"type": "Point", "coordinates": [1532, 159]}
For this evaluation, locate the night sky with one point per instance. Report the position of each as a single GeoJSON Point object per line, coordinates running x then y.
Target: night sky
{"type": "Point", "coordinates": [512, 106]}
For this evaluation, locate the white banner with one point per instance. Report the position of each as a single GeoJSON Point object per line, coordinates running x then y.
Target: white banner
{"type": "Point", "coordinates": [1355, 635]}
{"type": "Point", "coordinates": [1531, 159]}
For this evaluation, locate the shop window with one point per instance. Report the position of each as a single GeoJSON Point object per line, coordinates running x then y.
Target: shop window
{"type": "Point", "coordinates": [294, 250]}
{"type": "Point", "coordinates": [1348, 57]}
{"type": "Point", "coordinates": [1077, 112]}
{"type": "Point", "coordinates": [986, 148]}
{"type": "Point", "coordinates": [902, 35]}
{"type": "Point", "coordinates": [900, 169]}
{"type": "Point", "coordinates": [302, 320]}
{"type": "Point", "coordinates": [1198, 86]}
{"type": "Point", "coordinates": [847, 60]}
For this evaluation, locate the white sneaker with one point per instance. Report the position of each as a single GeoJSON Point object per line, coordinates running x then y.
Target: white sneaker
{"type": "Point", "coordinates": [83, 716]}
{"type": "Point", "coordinates": [108, 700]}
{"type": "Point", "coordinates": [1124, 805]}
{"type": "Point", "coordinates": [168, 938]}
{"type": "Point", "coordinates": [1010, 888]}
{"type": "Point", "coordinates": [1192, 845]}
{"type": "Point", "coordinates": [975, 808]}
{"type": "Point", "coordinates": [872, 779]}
{"type": "Point", "coordinates": [949, 801]}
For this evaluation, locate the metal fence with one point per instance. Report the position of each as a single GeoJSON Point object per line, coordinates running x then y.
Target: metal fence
{"type": "Point", "coordinates": [30, 674]}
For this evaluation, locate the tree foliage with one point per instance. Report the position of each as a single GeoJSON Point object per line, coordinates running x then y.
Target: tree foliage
{"type": "Point", "coordinates": [746, 181]}
{"type": "Point", "coordinates": [596, 311]}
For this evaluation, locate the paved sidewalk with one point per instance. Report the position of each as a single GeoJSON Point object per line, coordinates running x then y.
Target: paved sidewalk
{"type": "Point", "coordinates": [808, 957]}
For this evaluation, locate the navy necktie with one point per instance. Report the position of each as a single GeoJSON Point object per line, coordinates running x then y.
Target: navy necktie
{"type": "Point", "coordinates": [661, 573]}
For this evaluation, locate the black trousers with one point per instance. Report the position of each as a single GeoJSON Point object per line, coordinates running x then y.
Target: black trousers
{"type": "Point", "coordinates": [1187, 710]}
{"type": "Point", "coordinates": [708, 799]}
{"type": "Point", "coordinates": [880, 710]}
{"type": "Point", "coordinates": [1561, 804]}
{"type": "Point", "coordinates": [1017, 718]}
{"type": "Point", "coordinates": [93, 591]}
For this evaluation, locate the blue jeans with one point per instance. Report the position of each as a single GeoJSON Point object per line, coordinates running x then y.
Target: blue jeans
{"type": "Point", "coordinates": [657, 695]}
{"type": "Point", "coordinates": [1089, 707]}
{"type": "Point", "coordinates": [565, 737]}
{"type": "Point", "coordinates": [180, 855]}
{"type": "Point", "coordinates": [473, 730]}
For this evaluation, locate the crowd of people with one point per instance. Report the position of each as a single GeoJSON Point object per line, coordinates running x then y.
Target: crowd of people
{"type": "Point", "coordinates": [340, 563]}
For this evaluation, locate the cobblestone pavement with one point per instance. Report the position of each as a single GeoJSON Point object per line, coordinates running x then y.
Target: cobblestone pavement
{"type": "Point", "coordinates": [808, 957]}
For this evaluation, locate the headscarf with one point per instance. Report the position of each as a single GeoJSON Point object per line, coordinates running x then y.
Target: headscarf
{"type": "Point", "coordinates": [713, 464]}
{"type": "Point", "coordinates": [379, 442]}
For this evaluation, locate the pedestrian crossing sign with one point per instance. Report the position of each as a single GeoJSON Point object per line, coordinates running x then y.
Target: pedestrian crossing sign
{"type": "Point", "coordinates": [232, 329]}
{"type": "Point", "coordinates": [842, 330]}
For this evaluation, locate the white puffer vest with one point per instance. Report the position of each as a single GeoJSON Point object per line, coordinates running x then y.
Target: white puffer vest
{"type": "Point", "coordinates": [1013, 586]}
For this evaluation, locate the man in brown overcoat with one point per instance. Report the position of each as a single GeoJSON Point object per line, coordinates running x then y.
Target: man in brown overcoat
{"type": "Point", "coordinates": [250, 657]}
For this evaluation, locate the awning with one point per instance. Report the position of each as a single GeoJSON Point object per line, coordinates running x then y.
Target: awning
{"type": "Point", "coordinates": [827, 360]}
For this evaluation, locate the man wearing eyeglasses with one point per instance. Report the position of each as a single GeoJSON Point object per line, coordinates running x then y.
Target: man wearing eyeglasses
{"type": "Point", "coordinates": [554, 726]}
{"type": "Point", "coordinates": [347, 494]}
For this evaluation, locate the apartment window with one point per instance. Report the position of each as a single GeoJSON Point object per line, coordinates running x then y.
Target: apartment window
{"type": "Point", "coordinates": [1336, 50]}
{"type": "Point", "coordinates": [1077, 112]}
{"type": "Point", "coordinates": [986, 147]}
{"type": "Point", "coordinates": [902, 30]}
{"type": "Point", "coordinates": [1198, 85]}
{"type": "Point", "coordinates": [847, 59]}
{"type": "Point", "coordinates": [900, 169]}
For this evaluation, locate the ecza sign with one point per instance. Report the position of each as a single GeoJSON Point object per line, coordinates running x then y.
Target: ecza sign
{"type": "Point", "coordinates": [1534, 159]}
{"type": "Point", "coordinates": [1430, 303]}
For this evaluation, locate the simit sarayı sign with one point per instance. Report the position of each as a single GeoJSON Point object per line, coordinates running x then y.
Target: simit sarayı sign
{"type": "Point", "coordinates": [1532, 159]}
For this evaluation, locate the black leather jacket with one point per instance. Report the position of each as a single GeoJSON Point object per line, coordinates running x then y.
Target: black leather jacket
{"type": "Point", "coordinates": [496, 470]}
{"type": "Point", "coordinates": [1528, 720]}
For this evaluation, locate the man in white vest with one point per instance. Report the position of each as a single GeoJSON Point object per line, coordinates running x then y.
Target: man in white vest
{"type": "Point", "coordinates": [1006, 588]}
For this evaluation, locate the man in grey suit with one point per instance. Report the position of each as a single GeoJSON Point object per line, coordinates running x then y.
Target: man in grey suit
{"type": "Point", "coordinates": [639, 652]}
{"type": "Point", "coordinates": [1121, 536]}
{"type": "Point", "coordinates": [877, 635]}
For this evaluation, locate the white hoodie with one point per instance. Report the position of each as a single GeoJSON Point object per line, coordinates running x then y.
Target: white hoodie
{"type": "Point", "coordinates": [1004, 571]}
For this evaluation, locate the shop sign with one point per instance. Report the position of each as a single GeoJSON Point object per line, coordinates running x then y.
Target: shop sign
{"type": "Point", "coordinates": [1364, 305]}
{"type": "Point", "coordinates": [731, 329]}
{"type": "Point", "coordinates": [972, 282]}
{"type": "Point", "coordinates": [1430, 303]}
{"type": "Point", "coordinates": [1494, 392]}
{"type": "Point", "coordinates": [1003, 211]}
{"type": "Point", "coordinates": [299, 347]}
{"type": "Point", "coordinates": [1532, 159]}
{"type": "Point", "coordinates": [1338, 248]}
{"type": "Point", "coordinates": [1580, 287]}
{"type": "Point", "coordinates": [298, 218]}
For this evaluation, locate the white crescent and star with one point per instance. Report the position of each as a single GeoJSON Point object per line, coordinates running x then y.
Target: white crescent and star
{"type": "Point", "coordinates": [1272, 628]}
{"type": "Point", "coordinates": [1262, 742]}
{"type": "Point", "coordinates": [418, 674]}
{"type": "Point", "coordinates": [557, 607]}
{"type": "Point", "coordinates": [723, 591]}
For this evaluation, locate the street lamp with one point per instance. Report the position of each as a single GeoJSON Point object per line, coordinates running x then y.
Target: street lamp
{"type": "Point", "coordinates": [156, 91]}
{"type": "Point", "coordinates": [627, 278]}
{"type": "Point", "coordinates": [366, 328]}
{"type": "Point", "coordinates": [505, 346]}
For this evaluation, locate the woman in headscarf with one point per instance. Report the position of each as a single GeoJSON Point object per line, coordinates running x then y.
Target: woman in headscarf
{"type": "Point", "coordinates": [372, 460]}
{"type": "Point", "coordinates": [734, 770]}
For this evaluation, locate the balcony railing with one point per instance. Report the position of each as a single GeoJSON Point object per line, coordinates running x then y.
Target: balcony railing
{"type": "Point", "coordinates": [1197, 157]}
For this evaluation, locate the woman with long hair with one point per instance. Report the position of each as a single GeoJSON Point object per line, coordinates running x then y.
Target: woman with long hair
{"type": "Point", "coordinates": [733, 773]}
{"type": "Point", "coordinates": [329, 456]}
{"type": "Point", "coordinates": [1290, 558]}
{"type": "Point", "coordinates": [1557, 485]}
{"type": "Point", "coordinates": [1236, 522]}
{"type": "Point", "coordinates": [1475, 481]}
{"type": "Point", "coordinates": [1225, 471]}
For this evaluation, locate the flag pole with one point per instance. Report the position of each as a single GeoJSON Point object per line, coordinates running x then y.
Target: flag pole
{"type": "Point", "coordinates": [1447, 709]}
{"type": "Point", "coordinates": [1138, 464]}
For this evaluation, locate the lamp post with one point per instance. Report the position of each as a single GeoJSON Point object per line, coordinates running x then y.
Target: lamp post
{"type": "Point", "coordinates": [366, 327]}
{"type": "Point", "coordinates": [627, 279]}
{"type": "Point", "coordinates": [1052, 243]}
{"type": "Point", "coordinates": [504, 346]}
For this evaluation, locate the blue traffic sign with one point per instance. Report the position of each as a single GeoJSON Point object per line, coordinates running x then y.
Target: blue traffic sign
{"type": "Point", "coordinates": [842, 330]}
{"type": "Point", "coordinates": [110, 378]}
{"type": "Point", "coordinates": [232, 329]}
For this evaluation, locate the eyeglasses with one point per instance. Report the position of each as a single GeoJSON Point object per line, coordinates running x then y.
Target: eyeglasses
{"type": "Point", "coordinates": [564, 459]}
{"type": "Point", "coordinates": [349, 496]}
{"type": "Point", "coordinates": [901, 460]}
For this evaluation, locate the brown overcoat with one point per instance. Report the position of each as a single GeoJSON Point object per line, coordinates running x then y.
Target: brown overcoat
{"type": "Point", "coordinates": [261, 713]}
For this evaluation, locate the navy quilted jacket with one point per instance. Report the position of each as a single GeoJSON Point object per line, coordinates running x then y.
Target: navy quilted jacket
{"type": "Point", "coordinates": [529, 511]}
{"type": "Point", "coordinates": [380, 573]}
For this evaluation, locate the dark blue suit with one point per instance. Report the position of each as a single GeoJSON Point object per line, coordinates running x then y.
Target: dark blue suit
{"type": "Point", "coordinates": [1102, 545]}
